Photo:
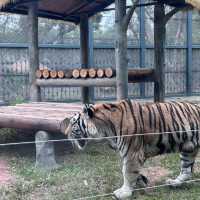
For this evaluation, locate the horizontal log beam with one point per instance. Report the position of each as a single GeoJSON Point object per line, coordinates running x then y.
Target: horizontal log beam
{"type": "Point", "coordinates": [30, 122]}
{"type": "Point", "coordinates": [134, 76]}
{"type": "Point", "coordinates": [141, 75]}
{"type": "Point", "coordinates": [103, 82]}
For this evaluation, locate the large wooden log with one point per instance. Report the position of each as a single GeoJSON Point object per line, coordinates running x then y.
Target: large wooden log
{"type": "Point", "coordinates": [141, 75]}
{"type": "Point", "coordinates": [105, 82]}
{"type": "Point", "coordinates": [30, 122]}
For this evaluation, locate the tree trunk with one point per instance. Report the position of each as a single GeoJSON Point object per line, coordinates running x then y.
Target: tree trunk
{"type": "Point", "coordinates": [33, 52]}
{"type": "Point", "coordinates": [159, 44]}
{"type": "Point", "coordinates": [84, 36]}
{"type": "Point", "coordinates": [121, 51]}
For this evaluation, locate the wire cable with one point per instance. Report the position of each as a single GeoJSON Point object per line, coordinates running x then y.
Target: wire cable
{"type": "Point", "coordinates": [95, 139]}
{"type": "Point", "coordinates": [138, 189]}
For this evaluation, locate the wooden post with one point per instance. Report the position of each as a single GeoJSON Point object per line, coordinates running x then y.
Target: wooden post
{"type": "Point", "coordinates": [189, 55]}
{"type": "Point", "coordinates": [121, 50]}
{"type": "Point", "coordinates": [84, 37]}
{"type": "Point", "coordinates": [159, 45]}
{"type": "Point", "coordinates": [33, 51]}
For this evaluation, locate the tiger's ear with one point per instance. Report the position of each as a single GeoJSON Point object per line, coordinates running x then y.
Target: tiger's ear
{"type": "Point", "coordinates": [88, 110]}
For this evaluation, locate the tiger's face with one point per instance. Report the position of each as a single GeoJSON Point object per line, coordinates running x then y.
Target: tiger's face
{"type": "Point", "coordinates": [80, 128]}
{"type": "Point", "coordinates": [93, 122]}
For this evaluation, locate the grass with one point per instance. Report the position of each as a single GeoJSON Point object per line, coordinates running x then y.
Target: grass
{"type": "Point", "coordinates": [94, 171]}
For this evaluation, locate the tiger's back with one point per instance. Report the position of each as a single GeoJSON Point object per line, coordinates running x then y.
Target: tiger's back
{"type": "Point", "coordinates": [177, 125]}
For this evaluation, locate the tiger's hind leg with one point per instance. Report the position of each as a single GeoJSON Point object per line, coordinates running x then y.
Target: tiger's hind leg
{"type": "Point", "coordinates": [187, 163]}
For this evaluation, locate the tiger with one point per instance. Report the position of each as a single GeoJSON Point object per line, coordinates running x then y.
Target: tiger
{"type": "Point", "coordinates": [139, 131]}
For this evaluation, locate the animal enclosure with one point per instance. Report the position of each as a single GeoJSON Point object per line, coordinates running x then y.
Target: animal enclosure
{"type": "Point", "coordinates": [15, 70]}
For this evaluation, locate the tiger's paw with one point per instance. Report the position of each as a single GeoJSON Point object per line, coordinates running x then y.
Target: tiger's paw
{"type": "Point", "coordinates": [179, 181]}
{"type": "Point", "coordinates": [123, 193]}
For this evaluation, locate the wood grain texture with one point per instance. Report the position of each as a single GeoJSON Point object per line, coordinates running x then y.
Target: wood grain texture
{"type": "Point", "coordinates": [37, 116]}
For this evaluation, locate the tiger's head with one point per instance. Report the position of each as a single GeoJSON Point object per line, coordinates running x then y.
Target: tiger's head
{"type": "Point", "coordinates": [95, 121]}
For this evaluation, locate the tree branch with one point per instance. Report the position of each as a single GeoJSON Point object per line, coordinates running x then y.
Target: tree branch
{"type": "Point", "coordinates": [170, 14]}
{"type": "Point", "coordinates": [129, 14]}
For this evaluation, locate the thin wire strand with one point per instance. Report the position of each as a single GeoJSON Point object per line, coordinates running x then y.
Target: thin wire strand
{"type": "Point", "coordinates": [96, 139]}
{"type": "Point", "coordinates": [138, 189]}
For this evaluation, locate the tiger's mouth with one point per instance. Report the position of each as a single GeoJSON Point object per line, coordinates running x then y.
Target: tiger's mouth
{"type": "Point", "coordinates": [80, 143]}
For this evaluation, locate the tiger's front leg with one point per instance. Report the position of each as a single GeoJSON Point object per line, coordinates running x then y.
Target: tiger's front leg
{"type": "Point", "coordinates": [131, 173]}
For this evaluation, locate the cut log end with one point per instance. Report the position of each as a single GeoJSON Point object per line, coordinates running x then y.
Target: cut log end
{"type": "Point", "coordinates": [92, 73]}
{"type": "Point", "coordinates": [46, 73]}
{"type": "Point", "coordinates": [53, 74]}
{"type": "Point", "coordinates": [100, 73]}
{"type": "Point", "coordinates": [61, 74]}
{"type": "Point", "coordinates": [38, 73]}
{"type": "Point", "coordinates": [76, 73]}
{"type": "Point", "coordinates": [109, 72]}
{"type": "Point", "coordinates": [83, 73]}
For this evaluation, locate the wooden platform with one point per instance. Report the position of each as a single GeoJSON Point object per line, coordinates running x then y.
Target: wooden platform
{"type": "Point", "coordinates": [37, 116]}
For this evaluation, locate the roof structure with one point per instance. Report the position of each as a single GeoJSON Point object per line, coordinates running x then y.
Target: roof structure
{"type": "Point", "coordinates": [67, 10]}
{"type": "Point", "coordinates": [71, 10]}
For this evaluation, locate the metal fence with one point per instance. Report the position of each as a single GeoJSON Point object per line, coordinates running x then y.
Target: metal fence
{"type": "Point", "coordinates": [14, 70]}
{"type": "Point", "coordinates": [182, 66]}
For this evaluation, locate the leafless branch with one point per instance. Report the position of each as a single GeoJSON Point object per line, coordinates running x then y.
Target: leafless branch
{"type": "Point", "coordinates": [129, 14]}
{"type": "Point", "coordinates": [171, 13]}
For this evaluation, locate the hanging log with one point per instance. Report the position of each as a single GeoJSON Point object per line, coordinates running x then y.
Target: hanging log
{"type": "Point", "coordinates": [38, 73]}
{"type": "Point", "coordinates": [53, 74]}
{"type": "Point", "coordinates": [92, 73]}
{"type": "Point", "coordinates": [46, 73]}
{"type": "Point", "coordinates": [100, 73]}
{"type": "Point", "coordinates": [109, 72]}
{"type": "Point", "coordinates": [76, 73]}
{"type": "Point", "coordinates": [83, 73]}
